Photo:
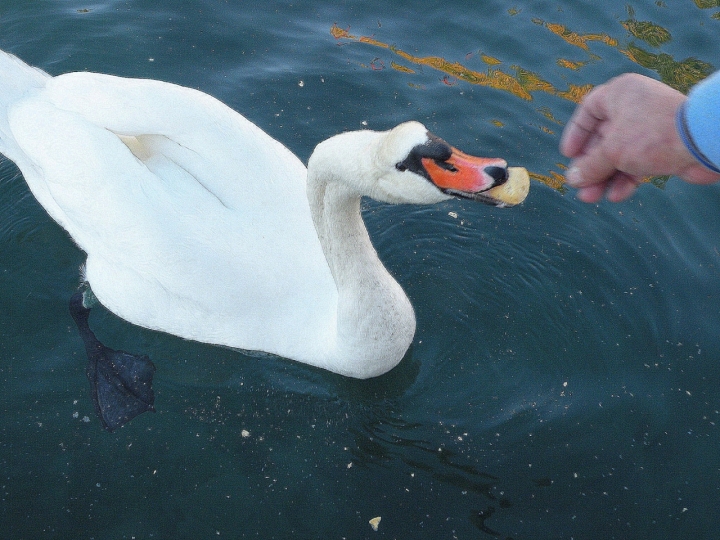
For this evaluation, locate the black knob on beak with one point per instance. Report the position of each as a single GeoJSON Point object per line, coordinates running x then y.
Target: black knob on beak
{"type": "Point", "coordinates": [499, 174]}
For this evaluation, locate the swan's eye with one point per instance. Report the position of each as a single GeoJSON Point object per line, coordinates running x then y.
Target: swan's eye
{"type": "Point", "coordinates": [401, 167]}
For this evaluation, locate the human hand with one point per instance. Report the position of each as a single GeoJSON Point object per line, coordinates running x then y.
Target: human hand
{"type": "Point", "coordinates": [623, 131]}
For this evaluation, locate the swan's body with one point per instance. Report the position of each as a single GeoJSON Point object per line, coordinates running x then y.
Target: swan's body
{"type": "Point", "coordinates": [199, 224]}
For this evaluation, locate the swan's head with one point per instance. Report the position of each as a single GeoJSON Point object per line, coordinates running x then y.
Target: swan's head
{"type": "Point", "coordinates": [408, 164]}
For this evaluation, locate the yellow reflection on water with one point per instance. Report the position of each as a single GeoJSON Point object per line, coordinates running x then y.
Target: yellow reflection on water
{"type": "Point", "coordinates": [681, 75]}
{"type": "Point", "coordinates": [553, 179]}
{"type": "Point", "coordinates": [399, 67]}
{"type": "Point", "coordinates": [579, 40]}
{"type": "Point", "coordinates": [489, 60]}
{"type": "Point", "coordinates": [648, 32]}
{"type": "Point", "coordinates": [705, 4]}
{"type": "Point", "coordinates": [523, 83]}
{"type": "Point", "coordinates": [571, 64]}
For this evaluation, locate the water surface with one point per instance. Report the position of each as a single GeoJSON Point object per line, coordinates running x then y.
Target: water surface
{"type": "Point", "coordinates": [564, 379]}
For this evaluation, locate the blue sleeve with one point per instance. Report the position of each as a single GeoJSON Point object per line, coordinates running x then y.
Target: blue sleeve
{"type": "Point", "coordinates": [699, 122]}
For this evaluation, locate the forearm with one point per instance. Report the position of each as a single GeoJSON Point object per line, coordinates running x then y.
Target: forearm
{"type": "Point", "coordinates": [699, 122]}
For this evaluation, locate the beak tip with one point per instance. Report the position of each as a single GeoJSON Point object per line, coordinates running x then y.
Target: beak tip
{"type": "Point", "coordinates": [514, 190]}
{"type": "Point", "coordinates": [499, 174]}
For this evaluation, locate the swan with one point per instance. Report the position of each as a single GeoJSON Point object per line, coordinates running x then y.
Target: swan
{"type": "Point", "coordinates": [197, 223]}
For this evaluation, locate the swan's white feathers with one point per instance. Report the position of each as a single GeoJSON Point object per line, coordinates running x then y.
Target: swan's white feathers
{"type": "Point", "coordinates": [199, 224]}
{"type": "Point", "coordinates": [188, 228]}
{"type": "Point", "coordinates": [407, 187]}
{"type": "Point", "coordinates": [377, 177]}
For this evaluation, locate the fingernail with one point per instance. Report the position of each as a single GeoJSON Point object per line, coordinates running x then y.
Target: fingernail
{"type": "Point", "coordinates": [573, 177]}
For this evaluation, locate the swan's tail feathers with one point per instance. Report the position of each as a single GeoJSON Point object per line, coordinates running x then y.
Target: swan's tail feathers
{"type": "Point", "coordinates": [17, 80]}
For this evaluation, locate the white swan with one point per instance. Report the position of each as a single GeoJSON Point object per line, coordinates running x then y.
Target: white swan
{"type": "Point", "coordinates": [197, 223]}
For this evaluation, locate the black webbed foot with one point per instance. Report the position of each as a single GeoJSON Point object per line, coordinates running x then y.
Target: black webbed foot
{"type": "Point", "coordinates": [120, 382]}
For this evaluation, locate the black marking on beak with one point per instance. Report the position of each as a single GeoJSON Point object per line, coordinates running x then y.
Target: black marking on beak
{"type": "Point", "coordinates": [499, 174]}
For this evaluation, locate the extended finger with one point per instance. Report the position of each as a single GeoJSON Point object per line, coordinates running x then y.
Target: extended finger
{"type": "Point", "coordinates": [591, 167]}
{"type": "Point", "coordinates": [583, 124]}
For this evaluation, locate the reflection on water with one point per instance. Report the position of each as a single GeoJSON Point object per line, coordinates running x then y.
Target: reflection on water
{"type": "Point", "coordinates": [681, 74]}
{"type": "Point", "coordinates": [523, 83]}
{"type": "Point", "coordinates": [563, 380]}
{"type": "Point", "coordinates": [707, 4]}
{"type": "Point", "coordinates": [646, 31]}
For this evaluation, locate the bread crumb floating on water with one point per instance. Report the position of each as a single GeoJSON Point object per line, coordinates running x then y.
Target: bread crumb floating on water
{"type": "Point", "coordinates": [375, 522]}
{"type": "Point", "coordinates": [245, 433]}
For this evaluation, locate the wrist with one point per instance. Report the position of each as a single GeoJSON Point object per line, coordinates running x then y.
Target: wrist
{"type": "Point", "coordinates": [698, 122]}
{"type": "Point", "coordinates": [687, 139]}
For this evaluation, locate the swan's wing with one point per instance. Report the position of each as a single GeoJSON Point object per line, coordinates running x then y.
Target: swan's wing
{"type": "Point", "coordinates": [230, 156]}
{"type": "Point", "coordinates": [87, 179]}
{"type": "Point", "coordinates": [172, 243]}
{"type": "Point", "coordinates": [16, 82]}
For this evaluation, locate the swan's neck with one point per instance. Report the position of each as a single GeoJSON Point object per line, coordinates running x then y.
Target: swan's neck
{"type": "Point", "coordinates": [375, 320]}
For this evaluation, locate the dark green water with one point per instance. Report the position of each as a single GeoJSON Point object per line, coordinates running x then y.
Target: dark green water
{"type": "Point", "coordinates": [564, 382]}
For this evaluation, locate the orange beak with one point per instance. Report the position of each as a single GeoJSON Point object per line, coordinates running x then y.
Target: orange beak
{"type": "Point", "coordinates": [464, 174]}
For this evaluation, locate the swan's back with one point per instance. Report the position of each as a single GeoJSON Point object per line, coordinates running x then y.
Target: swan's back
{"type": "Point", "coordinates": [167, 189]}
